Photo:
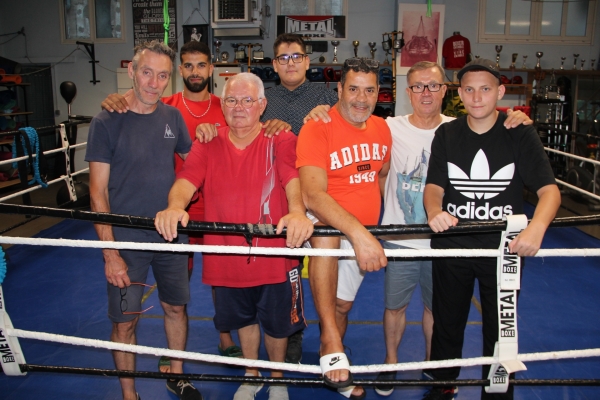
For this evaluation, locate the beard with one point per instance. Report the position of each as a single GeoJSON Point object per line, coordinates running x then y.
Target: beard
{"type": "Point", "coordinates": [195, 87]}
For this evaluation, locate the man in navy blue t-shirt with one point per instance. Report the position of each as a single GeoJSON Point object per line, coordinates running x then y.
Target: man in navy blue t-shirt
{"type": "Point", "coordinates": [131, 172]}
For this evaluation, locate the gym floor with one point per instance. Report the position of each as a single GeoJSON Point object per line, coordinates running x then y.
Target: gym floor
{"type": "Point", "coordinates": [62, 290]}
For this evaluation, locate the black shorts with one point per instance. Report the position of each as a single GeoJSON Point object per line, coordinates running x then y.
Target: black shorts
{"type": "Point", "coordinates": [170, 271]}
{"type": "Point", "coordinates": [277, 307]}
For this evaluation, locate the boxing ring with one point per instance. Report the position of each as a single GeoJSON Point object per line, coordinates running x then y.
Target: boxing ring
{"type": "Point", "coordinates": [76, 236]}
{"type": "Point", "coordinates": [312, 370]}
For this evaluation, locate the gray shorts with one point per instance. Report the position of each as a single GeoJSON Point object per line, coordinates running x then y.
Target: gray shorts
{"type": "Point", "coordinates": [401, 278]}
{"type": "Point", "coordinates": [170, 271]}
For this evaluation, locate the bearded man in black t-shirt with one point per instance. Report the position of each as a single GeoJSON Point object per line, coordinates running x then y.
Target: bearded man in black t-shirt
{"type": "Point", "coordinates": [477, 172]}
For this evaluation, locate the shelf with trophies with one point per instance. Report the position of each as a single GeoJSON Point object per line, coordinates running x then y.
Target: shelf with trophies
{"type": "Point", "coordinates": [519, 89]}
{"type": "Point", "coordinates": [250, 57]}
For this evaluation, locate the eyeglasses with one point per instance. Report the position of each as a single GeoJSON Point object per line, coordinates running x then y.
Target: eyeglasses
{"type": "Point", "coordinates": [433, 87]}
{"type": "Point", "coordinates": [246, 102]}
{"type": "Point", "coordinates": [356, 61]}
{"type": "Point", "coordinates": [296, 58]}
{"type": "Point", "coordinates": [124, 301]}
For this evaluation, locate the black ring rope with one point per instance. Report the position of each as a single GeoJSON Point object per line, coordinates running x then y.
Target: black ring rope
{"type": "Point", "coordinates": [15, 226]}
{"type": "Point", "coordinates": [266, 229]}
{"type": "Point", "coordinates": [547, 127]}
{"type": "Point", "coordinates": [298, 381]}
{"type": "Point", "coordinates": [84, 120]}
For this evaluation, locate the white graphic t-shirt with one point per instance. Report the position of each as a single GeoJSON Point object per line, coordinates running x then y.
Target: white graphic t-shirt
{"type": "Point", "coordinates": [411, 148]}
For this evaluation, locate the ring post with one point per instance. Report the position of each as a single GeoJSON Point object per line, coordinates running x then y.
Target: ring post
{"type": "Point", "coordinates": [11, 355]}
{"type": "Point", "coordinates": [509, 282]}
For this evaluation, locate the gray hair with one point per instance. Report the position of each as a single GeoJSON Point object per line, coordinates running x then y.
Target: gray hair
{"type": "Point", "coordinates": [154, 46]}
{"type": "Point", "coordinates": [248, 77]}
{"type": "Point", "coordinates": [423, 65]}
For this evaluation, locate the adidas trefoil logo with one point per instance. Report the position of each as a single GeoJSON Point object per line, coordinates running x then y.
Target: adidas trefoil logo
{"type": "Point", "coordinates": [479, 184]}
{"type": "Point", "coordinates": [169, 133]}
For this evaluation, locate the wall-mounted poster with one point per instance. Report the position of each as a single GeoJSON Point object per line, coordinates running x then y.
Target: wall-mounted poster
{"type": "Point", "coordinates": [148, 22]}
{"type": "Point", "coordinates": [313, 26]}
{"type": "Point", "coordinates": [423, 35]}
{"type": "Point", "coordinates": [199, 33]}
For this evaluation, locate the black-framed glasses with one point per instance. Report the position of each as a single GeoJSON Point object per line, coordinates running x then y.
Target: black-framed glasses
{"type": "Point", "coordinates": [419, 88]}
{"type": "Point", "coordinates": [124, 300]}
{"type": "Point", "coordinates": [246, 102]}
{"type": "Point", "coordinates": [296, 58]}
{"type": "Point", "coordinates": [356, 61]}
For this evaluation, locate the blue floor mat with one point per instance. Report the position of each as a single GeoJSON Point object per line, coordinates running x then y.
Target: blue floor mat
{"type": "Point", "coordinates": [63, 291]}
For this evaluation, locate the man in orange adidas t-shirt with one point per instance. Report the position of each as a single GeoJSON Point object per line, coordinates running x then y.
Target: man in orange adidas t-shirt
{"type": "Point", "coordinates": [341, 164]}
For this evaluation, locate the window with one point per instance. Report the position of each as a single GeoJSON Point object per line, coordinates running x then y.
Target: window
{"type": "Point", "coordinates": [312, 7]}
{"type": "Point", "coordinates": [100, 21]}
{"type": "Point", "coordinates": [536, 21]}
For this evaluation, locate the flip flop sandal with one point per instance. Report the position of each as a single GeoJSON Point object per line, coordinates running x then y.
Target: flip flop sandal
{"type": "Point", "coordinates": [332, 362]}
{"type": "Point", "coordinates": [347, 392]}
{"type": "Point", "coordinates": [231, 351]}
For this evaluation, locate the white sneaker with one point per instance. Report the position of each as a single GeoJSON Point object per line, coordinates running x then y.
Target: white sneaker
{"type": "Point", "coordinates": [278, 392]}
{"type": "Point", "coordinates": [247, 391]}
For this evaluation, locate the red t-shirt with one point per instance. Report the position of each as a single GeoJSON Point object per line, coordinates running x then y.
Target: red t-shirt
{"type": "Point", "coordinates": [352, 158]}
{"type": "Point", "coordinates": [235, 184]}
{"type": "Point", "coordinates": [455, 51]}
{"type": "Point", "coordinates": [213, 116]}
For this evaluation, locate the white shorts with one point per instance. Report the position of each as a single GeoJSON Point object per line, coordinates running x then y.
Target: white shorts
{"type": "Point", "coordinates": [350, 276]}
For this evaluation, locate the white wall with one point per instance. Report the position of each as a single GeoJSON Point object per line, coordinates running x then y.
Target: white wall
{"type": "Point", "coordinates": [367, 20]}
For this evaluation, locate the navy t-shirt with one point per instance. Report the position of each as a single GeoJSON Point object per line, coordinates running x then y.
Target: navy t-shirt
{"type": "Point", "coordinates": [483, 175]}
{"type": "Point", "coordinates": [140, 149]}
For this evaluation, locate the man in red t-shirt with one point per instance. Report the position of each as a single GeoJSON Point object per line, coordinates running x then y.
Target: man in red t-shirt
{"type": "Point", "coordinates": [247, 177]}
{"type": "Point", "coordinates": [341, 163]}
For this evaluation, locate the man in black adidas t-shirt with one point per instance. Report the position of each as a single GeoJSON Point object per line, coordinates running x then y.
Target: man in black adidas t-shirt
{"type": "Point", "coordinates": [476, 173]}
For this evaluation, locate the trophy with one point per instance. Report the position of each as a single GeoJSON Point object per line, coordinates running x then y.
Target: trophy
{"type": "Point", "coordinates": [498, 50]}
{"type": "Point", "coordinates": [373, 49]}
{"type": "Point", "coordinates": [218, 44]}
{"type": "Point", "coordinates": [514, 60]}
{"type": "Point", "coordinates": [335, 44]}
{"type": "Point", "coordinates": [539, 55]}
{"type": "Point", "coordinates": [387, 46]}
{"type": "Point", "coordinates": [575, 62]}
{"type": "Point", "coordinates": [562, 62]}
{"type": "Point", "coordinates": [592, 66]}
{"type": "Point", "coordinates": [524, 62]}
{"type": "Point", "coordinates": [355, 43]}
{"type": "Point", "coordinates": [582, 64]}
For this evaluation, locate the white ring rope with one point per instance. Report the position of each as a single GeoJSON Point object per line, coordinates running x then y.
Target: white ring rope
{"type": "Point", "coordinates": [36, 187]}
{"type": "Point", "coordinates": [313, 369]}
{"type": "Point", "coordinates": [573, 156]}
{"type": "Point", "coordinates": [58, 150]}
{"type": "Point", "coordinates": [577, 189]}
{"type": "Point", "coordinates": [284, 251]}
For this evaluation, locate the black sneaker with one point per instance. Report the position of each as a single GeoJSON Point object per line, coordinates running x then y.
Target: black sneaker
{"type": "Point", "coordinates": [293, 354]}
{"type": "Point", "coordinates": [183, 389]}
{"type": "Point", "coordinates": [439, 393]}
{"type": "Point", "coordinates": [385, 390]}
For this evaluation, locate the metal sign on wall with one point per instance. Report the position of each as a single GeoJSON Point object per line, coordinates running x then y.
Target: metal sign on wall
{"type": "Point", "coordinates": [148, 22]}
{"type": "Point", "coordinates": [313, 26]}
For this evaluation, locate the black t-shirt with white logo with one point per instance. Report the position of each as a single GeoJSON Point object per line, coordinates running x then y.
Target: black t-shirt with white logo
{"type": "Point", "coordinates": [483, 175]}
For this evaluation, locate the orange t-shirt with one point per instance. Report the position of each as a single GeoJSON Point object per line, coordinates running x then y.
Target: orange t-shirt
{"type": "Point", "coordinates": [352, 158]}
